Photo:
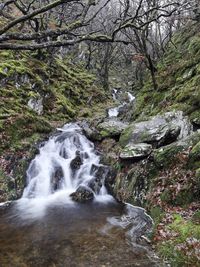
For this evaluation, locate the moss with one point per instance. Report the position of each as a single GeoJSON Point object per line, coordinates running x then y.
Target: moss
{"type": "Point", "coordinates": [64, 88]}
{"type": "Point", "coordinates": [125, 136]}
{"type": "Point", "coordinates": [177, 77]}
{"type": "Point", "coordinates": [196, 217]}
{"type": "Point", "coordinates": [178, 250]}
{"type": "Point", "coordinates": [194, 156]}
{"type": "Point", "coordinates": [163, 157]}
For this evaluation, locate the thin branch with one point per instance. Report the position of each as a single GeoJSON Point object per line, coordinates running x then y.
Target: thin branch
{"type": "Point", "coordinates": [33, 14]}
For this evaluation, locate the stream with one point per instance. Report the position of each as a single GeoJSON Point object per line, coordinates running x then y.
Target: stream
{"type": "Point", "coordinates": [114, 112]}
{"type": "Point", "coordinates": [66, 217]}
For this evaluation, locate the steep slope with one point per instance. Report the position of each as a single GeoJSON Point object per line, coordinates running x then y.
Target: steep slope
{"type": "Point", "coordinates": [36, 95]}
{"type": "Point", "coordinates": [178, 79]}
{"type": "Point", "coordinates": [172, 173]}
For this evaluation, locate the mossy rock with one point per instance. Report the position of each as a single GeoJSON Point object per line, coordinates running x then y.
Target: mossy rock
{"type": "Point", "coordinates": [194, 156]}
{"type": "Point", "coordinates": [165, 156]}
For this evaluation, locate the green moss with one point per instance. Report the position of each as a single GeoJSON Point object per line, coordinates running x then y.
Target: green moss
{"type": "Point", "coordinates": [179, 250]}
{"type": "Point", "coordinates": [125, 136]}
{"type": "Point", "coordinates": [163, 157]}
{"type": "Point", "coordinates": [64, 88]}
{"type": "Point", "coordinates": [194, 156]}
{"type": "Point", "coordinates": [177, 77]}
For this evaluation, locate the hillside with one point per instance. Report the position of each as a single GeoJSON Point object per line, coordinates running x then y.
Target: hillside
{"type": "Point", "coordinates": [178, 79]}
{"type": "Point", "coordinates": [37, 95]}
{"type": "Point", "coordinates": [166, 182]}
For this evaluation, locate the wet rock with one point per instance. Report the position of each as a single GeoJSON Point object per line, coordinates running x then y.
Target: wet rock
{"type": "Point", "coordinates": [131, 184]}
{"type": "Point", "coordinates": [136, 151]}
{"type": "Point", "coordinates": [160, 130]}
{"type": "Point", "coordinates": [103, 174]}
{"type": "Point", "coordinates": [90, 132]}
{"type": "Point", "coordinates": [56, 178]}
{"type": "Point", "coordinates": [76, 162]}
{"type": "Point", "coordinates": [82, 194]}
{"type": "Point", "coordinates": [61, 137]}
{"type": "Point", "coordinates": [63, 152]}
{"type": "Point", "coordinates": [95, 184]}
{"type": "Point", "coordinates": [111, 128]}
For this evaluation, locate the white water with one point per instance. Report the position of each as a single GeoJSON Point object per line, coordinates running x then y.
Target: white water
{"type": "Point", "coordinates": [131, 97]}
{"type": "Point", "coordinates": [114, 112]}
{"type": "Point", "coordinates": [45, 188]}
{"type": "Point", "coordinates": [114, 94]}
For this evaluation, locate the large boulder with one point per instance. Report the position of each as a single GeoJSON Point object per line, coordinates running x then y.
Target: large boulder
{"type": "Point", "coordinates": [111, 128]}
{"type": "Point", "coordinates": [136, 151]}
{"type": "Point", "coordinates": [82, 194]}
{"type": "Point", "coordinates": [158, 131]}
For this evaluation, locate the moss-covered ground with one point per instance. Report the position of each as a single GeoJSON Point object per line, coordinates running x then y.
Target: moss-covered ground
{"type": "Point", "coordinates": [178, 79]}
{"type": "Point", "coordinates": [67, 92]}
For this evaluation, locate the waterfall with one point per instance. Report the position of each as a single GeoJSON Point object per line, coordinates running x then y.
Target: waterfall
{"type": "Point", "coordinates": [67, 168]}
{"type": "Point", "coordinates": [66, 162]}
{"type": "Point", "coordinates": [49, 225]}
{"type": "Point", "coordinates": [131, 97]}
{"type": "Point", "coordinates": [114, 112]}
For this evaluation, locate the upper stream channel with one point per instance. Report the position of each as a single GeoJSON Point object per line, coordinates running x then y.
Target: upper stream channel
{"type": "Point", "coordinates": [48, 227]}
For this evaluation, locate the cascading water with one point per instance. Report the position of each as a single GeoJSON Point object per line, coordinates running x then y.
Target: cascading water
{"type": "Point", "coordinates": [47, 228]}
{"type": "Point", "coordinates": [114, 112]}
{"type": "Point", "coordinates": [67, 161]}
{"type": "Point", "coordinates": [66, 169]}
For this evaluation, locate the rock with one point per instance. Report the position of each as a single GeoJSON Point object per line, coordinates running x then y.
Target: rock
{"type": "Point", "coordinates": [111, 128]}
{"type": "Point", "coordinates": [64, 135]}
{"type": "Point", "coordinates": [82, 194]}
{"type": "Point", "coordinates": [76, 162]}
{"type": "Point", "coordinates": [136, 151]}
{"type": "Point", "coordinates": [36, 105]}
{"type": "Point", "coordinates": [131, 184]}
{"type": "Point", "coordinates": [11, 183]}
{"type": "Point", "coordinates": [56, 178]}
{"type": "Point", "coordinates": [103, 174]}
{"type": "Point", "coordinates": [195, 118]}
{"type": "Point", "coordinates": [164, 156]}
{"type": "Point", "coordinates": [194, 156]}
{"type": "Point", "coordinates": [95, 184]}
{"type": "Point", "coordinates": [158, 131]}
{"type": "Point", "coordinates": [90, 132]}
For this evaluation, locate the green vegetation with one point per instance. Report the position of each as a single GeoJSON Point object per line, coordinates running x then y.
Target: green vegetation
{"type": "Point", "coordinates": [62, 88]}
{"type": "Point", "coordinates": [178, 79]}
{"type": "Point", "coordinates": [181, 248]}
{"type": "Point", "coordinates": [60, 91]}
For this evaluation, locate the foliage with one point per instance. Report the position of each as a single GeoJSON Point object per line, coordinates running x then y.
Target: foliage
{"type": "Point", "coordinates": [180, 240]}
{"type": "Point", "coordinates": [64, 89]}
{"type": "Point", "coordinates": [178, 78]}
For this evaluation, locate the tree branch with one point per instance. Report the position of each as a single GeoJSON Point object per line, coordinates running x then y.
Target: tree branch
{"type": "Point", "coordinates": [33, 14]}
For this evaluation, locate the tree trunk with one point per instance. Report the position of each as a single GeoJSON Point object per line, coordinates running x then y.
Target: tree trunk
{"type": "Point", "coordinates": [105, 77]}
{"type": "Point", "coordinates": [153, 70]}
